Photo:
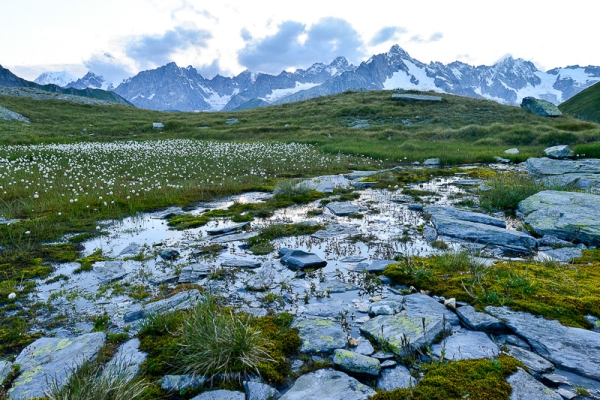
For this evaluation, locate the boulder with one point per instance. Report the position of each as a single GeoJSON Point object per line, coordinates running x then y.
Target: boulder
{"type": "Point", "coordinates": [559, 152]}
{"type": "Point", "coordinates": [395, 378]}
{"type": "Point", "coordinates": [466, 345]}
{"type": "Point", "coordinates": [176, 383]}
{"type": "Point", "coordinates": [567, 215]}
{"type": "Point", "coordinates": [511, 151]}
{"type": "Point", "coordinates": [328, 384]}
{"type": "Point", "coordinates": [344, 208]}
{"type": "Point", "coordinates": [432, 161]}
{"type": "Point", "coordinates": [220, 395]}
{"type": "Point", "coordinates": [169, 254]}
{"type": "Point", "coordinates": [540, 107]}
{"type": "Point", "coordinates": [52, 360]}
{"type": "Point", "coordinates": [319, 335]}
{"type": "Point", "coordinates": [479, 321]}
{"type": "Point", "coordinates": [300, 259]}
{"type": "Point", "coordinates": [260, 391]}
{"type": "Point", "coordinates": [572, 349]}
{"type": "Point", "coordinates": [464, 215]}
{"type": "Point", "coordinates": [356, 363]}
{"type": "Point", "coordinates": [385, 307]}
{"type": "Point", "coordinates": [525, 387]}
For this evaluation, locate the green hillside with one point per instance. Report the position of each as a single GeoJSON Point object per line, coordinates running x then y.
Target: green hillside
{"type": "Point", "coordinates": [585, 105]}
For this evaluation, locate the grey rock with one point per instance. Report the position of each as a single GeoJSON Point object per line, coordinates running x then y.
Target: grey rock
{"type": "Point", "coordinates": [8, 115]}
{"type": "Point", "coordinates": [479, 321]}
{"type": "Point", "coordinates": [132, 249]}
{"type": "Point", "coordinates": [559, 152]}
{"type": "Point", "coordinates": [385, 307]}
{"type": "Point", "coordinates": [374, 265]}
{"type": "Point", "coordinates": [416, 97]}
{"type": "Point", "coordinates": [514, 241]}
{"type": "Point", "coordinates": [5, 369]}
{"type": "Point", "coordinates": [566, 394]}
{"type": "Point", "coordinates": [466, 345]}
{"type": "Point", "coordinates": [380, 355]}
{"type": "Point", "coordinates": [546, 166]}
{"type": "Point", "coordinates": [328, 384]}
{"type": "Point", "coordinates": [231, 121]}
{"type": "Point", "coordinates": [553, 241]}
{"type": "Point", "coordinates": [364, 347]}
{"type": "Point", "coordinates": [532, 361]}
{"type": "Point", "coordinates": [355, 363]}
{"type": "Point", "coordinates": [352, 259]}
{"type": "Point", "coordinates": [227, 229]}
{"type": "Point", "coordinates": [169, 254]}
{"type": "Point", "coordinates": [236, 263]}
{"type": "Point", "coordinates": [512, 340]}
{"type": "Point", "coordinates": [467, 182]}
{"type": "Point", "coordinates": [158, 126]}
{"type": "Point", "coordinates": [300, 259]}
{"type": "Point", "coordinates": [394, 330]}
{"type": "Point", "coordinates": [415, 207]}
{"type": "Point", "coordinates": [319, 335]}
{"type": "Point", "coordinates": [325, 307]}
{"type": "Point", "coordinates": [180, 301]}
{"type": "Point", "coordinates": [388, 364]}
{"type": "Point", "coordinates": [194, 272]}
{"type": "Point", "coordinates": [325, 187]}
{"type": "Point", "coordinates": [220, 395]}
{"type": "Point", "coordinates": [419, 305]}
{"type": "Point", "coordinates": [175, 383]}
{"type": "Point", "coordinates": [109, 271]}
{"type": "Point", "coordinates": [525, 387]}
{"type": "Point", "coordinates": [429, 233]}
{"type": "Point", "coordinates": [344, 208]}
{"type": "Point", "coordinates": [555, 379]}
{"type": "Point", "coordinates": [49, 360]}
{"type": "Point", "coordinates": [432, 161]}
{"type": "Point", "coordinates": [360, 174]}
{"type": "Point", "coordinates": [364, 185]}
{"type": "Point", "coordinates": [260, 391]}
{"type": "Point", "coordinates": [573, 349]}
{"type": "Point", "coordinates": [567, 215]}
{"type": "Point", "coordinates": [264, 278]}
{"type": "Point", "coordinates": [134, 313]}
{"type": "Point", "coordinates": [502, 160]}
{"type": "Point", "coordinates": [463, 215]}
{"type": "Point", "coordinates": [540, 107]}
{"type": "Point", "coordinates": [4, 221]}
{"type": "Point", "coordinates": [233, 237]}
{"type": "Point", "coordinates": [335, 286]}
{"type": "Point", "coordinates": [564, 254]}
{"type": "Point", "coordinates": [595, 321]}
{"type": "Point", "coordinates": [336, 231]}
{"type": "Point", "coordinates": [127, 360]}
{"type": "Point", "coordinates": [395, 378]}
{"type": "Point", "coordinates": [512, 151]}
{"type": "Point", "coordinates": [401, 198]}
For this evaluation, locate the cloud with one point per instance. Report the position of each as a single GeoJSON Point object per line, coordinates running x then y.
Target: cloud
{"type": "Point", "coordinates": [246, 35]}
{"type": "Point", "coordinates": [437, 36]}
{"type": "Point", "coordinates": [296, 46]}
{"type": "Point", "coordinates": [387, 34]}
{"type": "Point", "coordinates": [209, 71]}
{"type": "Point", "coordinates": [157, 50]}
{"type": "Point", "coordinates": [107, 66]}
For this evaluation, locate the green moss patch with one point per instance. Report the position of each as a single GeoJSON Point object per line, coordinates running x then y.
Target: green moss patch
{"type": "Point", "coordinates": [86, 262]}
{"type": "Point", "coordinates": [261, 244]}
{"type": "Point", "coordinates": [188, 221]}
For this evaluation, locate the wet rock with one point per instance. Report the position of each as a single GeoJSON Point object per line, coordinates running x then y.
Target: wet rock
{"type": "Point", "coordinates": [512, 340]}
{"type": "Point", "coordinates": [466, 345]}
{"type": "Point", "coordinates": [328, 384]}
{"type": "Point", "coordinates": [479, 321]}
{"type": "Point", "coordinates": [131, 250]}
{"type": "Point", "coordinates": [260, 391]}
{"type": "Point", "coordinates": [401, 198]}
{"type": "Point", "coordinates": [236, 263]}
{"type": "Point", "coordinates": [335, 286]}
{"type": "Point", "coordinates": [344, 208]}
{"type": "Point", "coordinates": [336, 231]}
{"type": "Point", "coordinates": [193, 273]}
{"type": "Point", "coordinates": [514, 241]}
{"type": "Point", "coordinates": [512, 151]}
{"type": "Point", "coordinates": [573, 349]}
{"type": "Point", "coordinates": [134, 313]}
{"type": "Point", "coordinates": [5, 369]}
{"type": "Point", "coordinates": [540, 107]}
{"type": "Point", "coordinates": [300, 259]}
{"type": "Point", "coordinates": [235, 237]}
{"type": "Point", "coordinates": [220, 394]}
{"type": "Point", "coordinates": [264, 278]}
{"type": "Point", "coordinates": [175, 383]}
{"type": "Point", "coordinates": [385, 307]}
{"type": "Point", "coordinates": [158, 126]}
{"type": "Point", "coordinates": [415, 207]}
{"type": "Point", "coordinates": [364, 347]}
{"type": "Point", "coordinates": [169, 254]}
{"type": "Point", "coordinates": [432, 161]}
{"type": "Point", "coordinates": [525, 387]}
{"type": "Point", "coordinates": [319, 335]}
{"type": "Point", "coordinates": [356, 363]}
{"type": "Point", "coordinates": [374, 265]}
{"type": "Point", "coordinates": [429, 233]}
{"type": "Point", "coordinates": [326, 307]}
{"type": "Point", "coordinates": [360, 174]}
{"type": "Point", "coordinates": [364, 185]}
{"type": "Point", "coordinates": [416, 97]}
{"type": "Point", "coordinates": [467, 182]}
{"type": "Point", "coordinates": [325, 187]}
{"type": "Point", "coordinates": [419, 305]}
{"type": "Point", "coordinates": [395, 330]}
{"type": "Point", "coordinates": [463, 215]}
{"type": "Point", "coordinates": [109, 271]}
{"type": "Point", "coordinates": [559, 152]}
{"type": "Point", "coordinates": [388, 364]}
{"type": "Point", "coordinates": [180, 301]}
{"type": "Point", "coordinates": [564, 254]}
{"type": "Point", "coordinates": [567, 215]}
{"type": "Point", "coordinates": [49, 360]}
{"type": "Point", "coordinates": [227, 229]}
{"type": "Point", "coordinates": [395, 378]}
{"type": "Point", "coordinates": [532, 361]}
{"type": "Point", "coordinates": [353, 259]}
{"type": "Point", "coordinates": [594, 321]}
{"type": "Point", "coordinates": [127, 360]}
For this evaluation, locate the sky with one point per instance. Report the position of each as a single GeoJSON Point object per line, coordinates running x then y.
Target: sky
{"type": "Point", "coordinates": [119, 38]}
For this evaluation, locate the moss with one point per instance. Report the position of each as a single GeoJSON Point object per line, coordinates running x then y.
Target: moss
{"type": "Point", "coordinates": [188, 221]}
{"type": "Point", "coordinates": [260, 244]}
{"type": "Point", "coordinates": [473, 379]}
{"type": "Point", "coordinates": [64, 252]}
{"type": "Point", "coordinates": [86, 262]}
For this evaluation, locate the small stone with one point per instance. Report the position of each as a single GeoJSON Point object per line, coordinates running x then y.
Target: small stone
{"type": "Point", "coordinates": [352, 342]}
{"type": "Point", "coordinates": [12, 296]}
{"type": "Point", "coordinates": [168, 254]}
{"type": "Point", "coordinates": [512, 151]}
{"type": "Point", "coordinates": [157, 126]}
{"type": "Point", "coordinates": [450, 303]}
{"type": "Point", "coordinates": [432, 161]}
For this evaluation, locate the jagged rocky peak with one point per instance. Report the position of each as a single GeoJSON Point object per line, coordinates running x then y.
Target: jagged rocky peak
{"type": "Point", "coordinates": [59, 78]}
{"type": "Point", "coordinates": [91, 80]}
{"type": "Point", "coordinates": [398, 52]}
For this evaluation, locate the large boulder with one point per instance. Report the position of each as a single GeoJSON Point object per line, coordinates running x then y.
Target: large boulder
{"type": "Point", "coordinates": [52, 360]}
{"type": "Point", "coordinates": [328, 384]}
{"type": "Point", "coordinates": [464, 215]}
{"type": "Point", "coordinates": [572, 349]}
{"type": "Point", "coordinates": [300, 259]}
{"type": "Point", "coordinates": [567, 215]}
{"type": "Point", "coordinates": [582, 174]}
{"type": "Point", "coordinates": [356, 363]}
{"type": "Point", "coordinates": [540, 107]}
{"type": "Point", "coordinates": [220, 395]}
{"type": "Point", "coordinates": [559, 152]}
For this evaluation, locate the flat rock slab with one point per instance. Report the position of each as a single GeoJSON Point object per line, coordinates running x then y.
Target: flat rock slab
{"type": "Point", "coordinates": [464, 215]}
{"type": "Point", "coordinates": [466, 345]}
{"type": "Point", "coordinates": [479, 321]}
{"type": "Point", "coordinates": [194, 272]}
{"type": "Point", "coordinates": [236, 263]}
{"type": "Point", "coordinates": [127, 360]}
{"type": "Point", "coordinates": [540, 107]}
{"type": "Point", "coordinates": [49, 360]}
{"type": "Point", "coordinates": [300, 259]}
{"type": "Point", "coordinates": [394, 330]}
{"type": "Point", "coordinates": [416, 97]}
{"type": "Point", "coordinates": [260, 391]}
{"type": "Point", "coordinates": [564, 254]}
{"type": "Point", "coordinates": [328, 384]}
{"type": "Point", "coordinates": [419, 305]}
{"type": "Point", "coordinates": [227, 229]}
{"type": "Point", "coordinates": [356, 363]}
{"type": "Point", "coordinates": [233, 237]}
{"type": "Point", "coordinates": [220, 395]}
{"type": "Point", "coordinates": [525, 387]}
{"type": "Point", "coordinates": [341, 209]}
{"type": "Point", "coordinates": [374, 265]}
{"type": "Point", "coordinates": [180, 301]}
{"type": "Point", "coordinates": [573, 349]}
{"type": "Point", "coordinates": [319, 335]}
{"type": "Point", "coordinates": [532, 361]}
{"type": "Point", "coordinates": [334, 231]}
{"type": "Point", "coordinates": [109, 271]}
{"type": "Point", "coordinates": [547, 166]}
{"type": "Point", "coordinates": [395, 378]}
{"type": "Point", "coordinates": [567, 215]}
{"type": "Point", "coordinates": [484, 234]}
{"type": "Point", "coordinates": [326, 307]}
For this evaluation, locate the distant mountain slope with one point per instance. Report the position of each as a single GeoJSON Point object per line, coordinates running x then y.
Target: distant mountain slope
{"type": "Point", "coordinates": [9, 79]}
{"type": "Point", "coordinates": [584, 105]}
{"type": "Point", "coordinates": [90, 80]}
{"type": "Point", "coordinates": [61, 78]}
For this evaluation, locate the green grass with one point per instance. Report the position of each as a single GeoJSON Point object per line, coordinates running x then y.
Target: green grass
{"type": "Point", "coordinates": [584, 105]}
{"type": "Point", "coordinates": [261, 244]}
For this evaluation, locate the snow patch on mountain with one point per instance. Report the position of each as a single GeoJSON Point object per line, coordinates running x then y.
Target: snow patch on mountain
{"type": "Point", "coordinates": [60, 78]}
{"type": "Point", "coordinates": [277, 94]}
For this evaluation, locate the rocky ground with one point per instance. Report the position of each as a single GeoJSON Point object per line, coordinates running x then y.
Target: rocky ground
{"type": "Point", "coordinates": [365, 328]}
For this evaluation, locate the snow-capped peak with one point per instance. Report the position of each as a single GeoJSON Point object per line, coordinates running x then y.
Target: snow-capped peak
{"type": "Point", "coordinates": [59, 78]}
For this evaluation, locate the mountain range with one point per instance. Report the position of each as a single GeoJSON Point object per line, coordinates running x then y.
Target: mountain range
{"type": "Point", "coordinates": [171, 87]}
